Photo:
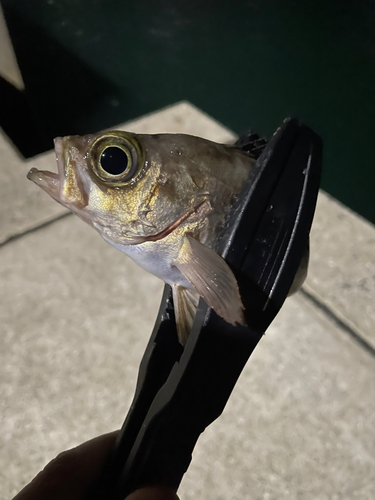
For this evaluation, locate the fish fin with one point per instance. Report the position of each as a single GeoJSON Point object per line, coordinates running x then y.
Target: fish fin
{"type": "Point", "coordinates": [185, 303]}
{"type": "Point", "coordinates": [212, 278]}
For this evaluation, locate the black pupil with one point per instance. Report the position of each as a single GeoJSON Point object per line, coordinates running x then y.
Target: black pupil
{"type": "Point", "coordinates": [114, 161]}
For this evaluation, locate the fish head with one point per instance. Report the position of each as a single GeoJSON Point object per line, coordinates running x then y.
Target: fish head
{"type": "Point", "coordinates": [131, 188]}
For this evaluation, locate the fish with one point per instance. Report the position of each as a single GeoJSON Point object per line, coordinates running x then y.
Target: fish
{"type": "Point", "coordinates": [162, 199]}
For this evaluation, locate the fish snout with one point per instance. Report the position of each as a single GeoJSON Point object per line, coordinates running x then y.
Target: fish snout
{"type": "Point", "coordinates": [48, 181]}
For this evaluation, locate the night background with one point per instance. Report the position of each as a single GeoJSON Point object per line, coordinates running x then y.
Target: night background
{"type": "Point", "coordinates": [92, 64]}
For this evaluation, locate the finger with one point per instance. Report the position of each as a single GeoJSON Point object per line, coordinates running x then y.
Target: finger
{"type": "Point", "coordinates": [71, 473]}
{"type": "Point", "coordinates": [153, 493]}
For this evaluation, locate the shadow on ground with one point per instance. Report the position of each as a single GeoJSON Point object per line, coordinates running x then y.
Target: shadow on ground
{"type": "Point", "coordinates": [62, 93]}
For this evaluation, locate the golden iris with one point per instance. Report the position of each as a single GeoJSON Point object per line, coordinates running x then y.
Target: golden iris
{"type": "Point", "coordinates": [116, 157]}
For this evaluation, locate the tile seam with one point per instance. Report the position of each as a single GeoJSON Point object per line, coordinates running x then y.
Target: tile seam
{"type": "Point", "coordinates": [317, 303]}
{"type": "Point", "coordinates": [31, 230]}
{"type": "Point", "coordinates": [355, 335]}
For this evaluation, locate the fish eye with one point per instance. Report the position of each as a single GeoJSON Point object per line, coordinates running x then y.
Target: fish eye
{"type": "Point", "coordinates": [114, 160]}
{"type": "Point", "coordinates": [116, 157]}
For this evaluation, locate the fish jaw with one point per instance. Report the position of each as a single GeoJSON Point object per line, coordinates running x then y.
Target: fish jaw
{"type": "Point", "coordinates": [67, 186]}
{"type": "Point", "coordinates": [48, 181]}
{"type": "Point", "coordinates": [51, 182]}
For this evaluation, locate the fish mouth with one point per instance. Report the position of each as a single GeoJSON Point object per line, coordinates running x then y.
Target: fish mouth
{"type": "Point", "coordinates": [48, 181]}
{"type": "Point", "coordinates": [51, 182]}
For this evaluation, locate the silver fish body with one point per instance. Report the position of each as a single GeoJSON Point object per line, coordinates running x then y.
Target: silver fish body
{"type": "Point", "coordinates": [162, 199]}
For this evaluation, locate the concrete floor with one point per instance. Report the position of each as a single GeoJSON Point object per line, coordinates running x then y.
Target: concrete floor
{"type": "Point", "coordinates": [8, 63]}
{"type": "Point", "coordinates": [75, 316]}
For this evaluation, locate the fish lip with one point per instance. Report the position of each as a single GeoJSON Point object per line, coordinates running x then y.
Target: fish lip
{"type": "Point", "coordinates": [51, 182]}
{"type": "Point", "coordinates": [48, 181]}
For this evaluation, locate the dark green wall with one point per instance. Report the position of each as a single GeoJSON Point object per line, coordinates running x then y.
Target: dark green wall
{"type": "Point", "coordinates": [89, 64]}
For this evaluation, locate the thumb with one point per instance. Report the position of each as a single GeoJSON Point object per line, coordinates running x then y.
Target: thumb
{"type": "Point", "coordinates": [153, 493]}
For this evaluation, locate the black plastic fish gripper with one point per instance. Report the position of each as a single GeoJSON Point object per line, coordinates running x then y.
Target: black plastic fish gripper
{"type": "Point", "coordinates": [181, 390]}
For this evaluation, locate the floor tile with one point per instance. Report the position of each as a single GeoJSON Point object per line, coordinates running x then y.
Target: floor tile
{"type": "Point", "coordinates": [23, 206]}
{"type": "Point", "coordinates": [299, 424]}
{"type": "Point", "coordinates": [342, 265]}
{"type": "Point", "coordinates": [76, 315]}
{"type": "Point", "coordinates": [8, 63]}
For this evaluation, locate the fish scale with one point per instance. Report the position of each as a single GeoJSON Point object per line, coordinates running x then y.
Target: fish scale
{"type": "Point", "coordinates": [161, 199]}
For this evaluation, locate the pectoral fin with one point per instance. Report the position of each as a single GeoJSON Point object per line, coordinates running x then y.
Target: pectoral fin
{"type": "Point", "coordinates": [212, 278]}
{"type": "Point", "coordinates": [185, 303]}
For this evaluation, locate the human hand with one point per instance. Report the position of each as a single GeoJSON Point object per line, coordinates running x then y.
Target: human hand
{"type": "Point", "coordinates": [71, 474]}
